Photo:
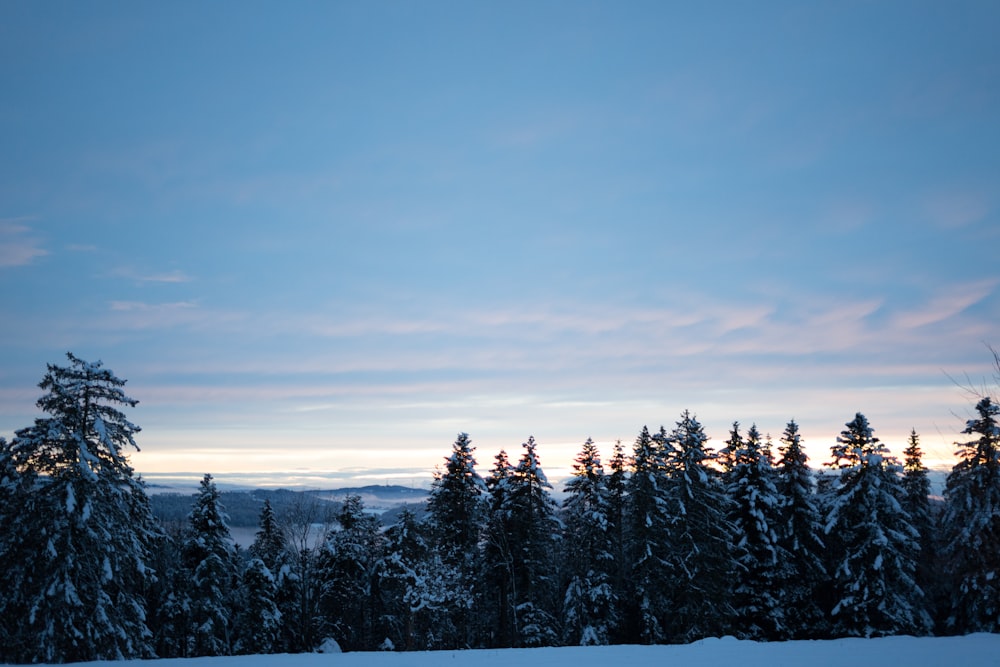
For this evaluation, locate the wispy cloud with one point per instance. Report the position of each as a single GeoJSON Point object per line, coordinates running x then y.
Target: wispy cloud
{"type": "Point", "coordinates": [953, 210]}
{"type": "Point", "coordinates": [946, 304]}
{"type": "Point", "coordinates": [18, 247]}
{"type": "Point", "coordinates": [141, 315]}
{"type": "Point", "coordinates": [175, 276]}
{"type": "Point", "coordinates": [170, 277]}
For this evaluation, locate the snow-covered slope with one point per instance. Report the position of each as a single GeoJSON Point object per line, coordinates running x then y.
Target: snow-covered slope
{"type": "Point", "coordinates": [969, 651]}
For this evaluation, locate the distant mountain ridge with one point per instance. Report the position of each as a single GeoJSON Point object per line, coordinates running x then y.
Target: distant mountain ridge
{"type": "Point", "coordinates": [243, 506]}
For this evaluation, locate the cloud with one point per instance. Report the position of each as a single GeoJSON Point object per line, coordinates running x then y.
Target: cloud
{"type": "Point", "coordinates": [946, 304]}
{"type": "Point", "coordinates": [17, 246]}
{"type": "Point", "coordinates": [953, 210]}
{"type": "Point", "coordinates": [171, 277]}
{"type": "Point", "coordinates": [141, 315]}
{"type": "Point", "coordinates": [176, 276]}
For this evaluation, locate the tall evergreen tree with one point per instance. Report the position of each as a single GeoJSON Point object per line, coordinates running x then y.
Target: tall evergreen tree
{"type": "Point", "coordinates": [210, 559]}
{"type": "Point", "coordinates": [917, 503]}
{"type": "Point", "coordinates": [81, 545]}
{"type": "Point", "coordinates": [455, 513]}
{"type": "Point", "coordinates": [971, 525]}
{"type": "Point", "coordinates": [617, 493]}
{"type": "Point", "coordinates": [169, 599]}
{"type": "Point", "coordinates": [348, 568]}
{"type": "Point", "coordinates": [698, 556]}
{"type": "Point", "coordinates": [648, 539]}
{"type": "Point", "coordinates": [497, 562]}
{"type": "Point", "coordinates": [873, 567]}
{"type": "Point", "coordinates": [413, 588]}
{"type": "Point", "coordinates": [533, 532]}
{"type": "Point", "coordinates": [258, 621]}
{"type": "Point", "coordinates": [271, 546]}
{"type": "Point", "coordinates": [589, 604]}
{"type": "Point", "coordinates": [800, 536]}
{"type": "Point", "coordinates": [16, 555]}
{"type": "Point", "coordinates": [762, 565]}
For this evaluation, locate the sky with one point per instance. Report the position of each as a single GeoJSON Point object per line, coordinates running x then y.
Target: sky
{"type": "Point", "coordinates": [325, 238]}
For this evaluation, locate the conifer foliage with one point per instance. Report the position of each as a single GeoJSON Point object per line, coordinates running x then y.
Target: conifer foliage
{"type": "Point", "coordinates": [873, 543]}
{"type": "Point", "coordinates": [590, 604]}
{"type": "Point", "coordinates": [533, 532]}
{"type": "Point", "coordinates": [760, 558]}
{"type": "Point", "coordinates": [699, 556]}
{"type": "Point", "coordinates": [80, 540]}
{"type": "Point", "coordinates": [671, 544]}
{"type": "Point", "coordinates": [647, 539]}
{"type": "Point", "coordinates": [800, 536]}
{"type": "Point", "coordinates": [971, 525]}
{"type": "Point", "coordinates": [209, 557]}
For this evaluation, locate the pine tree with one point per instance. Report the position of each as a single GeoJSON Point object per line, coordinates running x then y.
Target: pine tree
{"type": "Point", "coordinates": [81, 545]}
{"type": "Point", "coordinates": [497, 559]}
{"type": "Point", "coordinates": [589, 604]}
{"type": "Point", "coordinates": [533, 531]}
{"type": "Point", "coordinates": [15, 555]}
{"type": "Point", "coordinates": [617, 492]}
{"type": "Point", "coordinates": [169, 599]}
{"type": "Point", "coordinates": [873, 568]}
{"type": "Point", "coordinates": [415, 591]}
{"type": "Point", "coordinates": [269, 544]}
{"type": "Point", "coordinates": [258, 623]}
{"type": "Point", "coordinates": [800, 536]}
{"type": "Point", "coordinates": [209, 557]}
{"type": "Point", "coordinates": [348, 567]}
{"type": "Point", "coordinates": [648, 539]}
{"type": "Point", "coordinates": [971, 526]}
{"type": "Point", "coordinates": [756, 517]}
{"type": "Point", "coordinates": [698, 556]}
{"type": "Point", "coordinates": [917, 503]}
{"type": "Point", "coordinates": [455, 514]}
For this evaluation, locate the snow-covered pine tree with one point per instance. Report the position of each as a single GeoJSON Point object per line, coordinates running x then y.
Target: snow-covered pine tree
{"type": "Point", "coordinates": [589, 603]}
{"type": "Point", "coordinates": [348, 564]}
{"type": "Point", "coordinates": [15, 555]}
{"type": "Point", "coordinates": [970, 526]}
{"type": "Point", "coordinates": [917, 503]}
{"type": "Point", "coordinates": [168, 599]}
{"type": "Point", "coordinates": [533, 534]}
{"type": "Point", "coordinates": [725, 458]}
{"type": "Point", "coordinates": [800, 536]}
{"type": "Point", "coordinates": [456, 510]}
{"type": "Point", "coordinates": [414, 589]}
{"type": "Point", "coordinates": [209, 556]}
{"type": "Point", "coordinates": [647, 539]}
{"type": "Point", "coordinates": [873, 568]}
{"type": "Point", "coordinates": [271, 546]}
{"type": "Point", "coordinates": [497, 562]}
{"type": "Point", "coordinates": [82, 535]}
{"type": "Point", "coordinates": [698, 556]}
{"type": "Point", "coordinates": [756, 515]}
{"type": "Point", "coordinates": [617, 492]}
{"type": "Point", "coordinates": [258, 621]}
{"type": "Point", "coordinates": [455, 507]}
{"type": "Point", "coordinates": [269, 543]}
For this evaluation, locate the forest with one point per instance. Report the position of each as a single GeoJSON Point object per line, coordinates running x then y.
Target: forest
{"type": "Point", "coordinates": [669, 541]}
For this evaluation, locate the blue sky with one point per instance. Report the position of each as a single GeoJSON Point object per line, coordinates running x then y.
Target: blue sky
{"type": "Point", "coordinates": [330, 236]}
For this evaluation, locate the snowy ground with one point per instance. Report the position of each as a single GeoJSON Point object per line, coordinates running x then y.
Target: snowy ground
{"type": "Point", "coordinates": [970, 651]}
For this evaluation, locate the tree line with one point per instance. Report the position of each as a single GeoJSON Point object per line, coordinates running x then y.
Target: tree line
{"type": "Point", "coordinates": [670, 541]}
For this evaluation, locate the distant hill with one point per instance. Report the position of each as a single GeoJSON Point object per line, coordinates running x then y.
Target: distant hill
{"type": "Point", "coordinates": [243, 507]}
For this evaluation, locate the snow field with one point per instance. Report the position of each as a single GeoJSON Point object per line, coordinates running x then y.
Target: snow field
{"type": "Point", "coordinates": [968, 651]}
